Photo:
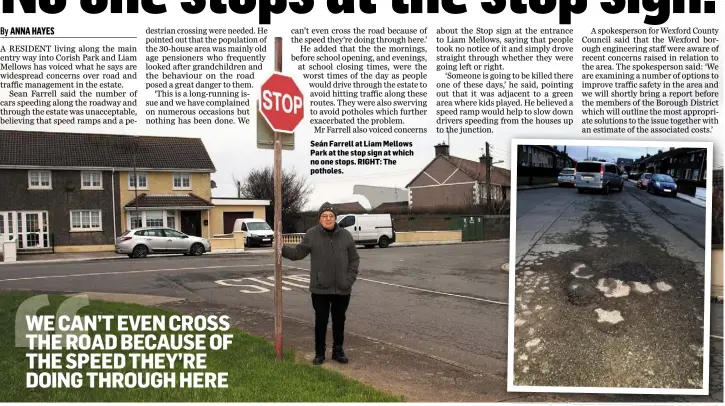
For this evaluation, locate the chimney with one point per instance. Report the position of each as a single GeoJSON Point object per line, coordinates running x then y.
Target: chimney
{"type": "Point", "coordinates": [442, 149]}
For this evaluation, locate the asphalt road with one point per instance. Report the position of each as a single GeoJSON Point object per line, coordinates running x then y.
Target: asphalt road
{"type": "Point", "coordinates": [610, 292]}
{"type": "Point", "coordinates": [447, 301]}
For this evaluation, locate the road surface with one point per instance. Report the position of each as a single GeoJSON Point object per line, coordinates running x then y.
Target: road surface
{"type": "Point", "coordinates": [610, 291]}
{"type": "Point", "coordinates": [449, 301]}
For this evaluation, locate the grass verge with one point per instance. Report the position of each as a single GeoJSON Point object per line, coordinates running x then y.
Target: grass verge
{"type": "Point", "coordinates": [254, 375]}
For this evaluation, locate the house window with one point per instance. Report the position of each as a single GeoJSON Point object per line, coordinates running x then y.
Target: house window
{"type": "Point", "coordinates": [182, 181]}
{"type": "Point", "coordinates": [142, 180]}
{"type": "Point", "coordinates": [85, 220]}
{"type": "Point", "coordinates": [39, 180]}
{"type": "Point", "coordinates": [171, 221]}
{"type": "Point", "coordinates": [136, 221]}
{"type": "Point", "coordinates": [91, 180]}
{"type": "Point", "coordinates": [2, 224]}
{"type": "Point", "coordinates": [154, 219]}
{"type": "Point", "coordinates": [695, 174]}
{"type": "Point", "coordinates": [687, 173]}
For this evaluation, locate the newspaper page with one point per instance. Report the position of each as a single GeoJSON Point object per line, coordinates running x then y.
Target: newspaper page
{"type": "Point", "coordinates": [482, 201]}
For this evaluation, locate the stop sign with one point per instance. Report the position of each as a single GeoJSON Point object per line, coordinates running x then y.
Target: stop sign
{"type": "Point", "coordinates": [282, 103]}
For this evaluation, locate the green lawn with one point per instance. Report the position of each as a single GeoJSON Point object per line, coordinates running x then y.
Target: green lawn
{"type": "Point", "coordinates": [254, 373]}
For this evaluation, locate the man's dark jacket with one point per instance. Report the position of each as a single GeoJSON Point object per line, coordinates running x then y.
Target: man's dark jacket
{"type": "Point", "coordinates": [334, 259]}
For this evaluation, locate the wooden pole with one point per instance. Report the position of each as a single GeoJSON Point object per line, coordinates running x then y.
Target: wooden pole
{"type": "Point", "coordinates": [488, 178]}
{"type": "Point", "coordinates": [278, 219]}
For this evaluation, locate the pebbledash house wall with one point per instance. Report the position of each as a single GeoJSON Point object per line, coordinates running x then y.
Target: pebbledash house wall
{"type": "Point", "coordinates": [442, 185]}
{"type": "Point", "coordinates": [66, 195]}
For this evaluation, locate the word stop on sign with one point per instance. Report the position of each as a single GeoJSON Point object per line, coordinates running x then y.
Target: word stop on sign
{"type": "Point", "coordinates": [277, 101]}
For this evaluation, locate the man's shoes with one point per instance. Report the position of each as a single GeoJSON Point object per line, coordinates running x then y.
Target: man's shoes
{"type": "Point", "coordinates": [339, 355]}
{"type": "Point", "coordinates": [318, 360]}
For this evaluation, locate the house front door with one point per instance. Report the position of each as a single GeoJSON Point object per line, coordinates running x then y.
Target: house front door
{"type": "Point", "coordinates": [191, 223]}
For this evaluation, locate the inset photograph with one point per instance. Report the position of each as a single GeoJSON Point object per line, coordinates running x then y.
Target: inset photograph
{"type": "Point", "coordinates": [610, 259]}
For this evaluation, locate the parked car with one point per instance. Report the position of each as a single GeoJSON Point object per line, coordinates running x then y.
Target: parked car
{"type": "Point", "coordinates": [258, 232]}
{"type": "Point", "coordinates": [601, 176]}
{"type": "Point", "coordinates": [566, 177]}
{"type": "Point", "coordinates": [140, 242]}
{"type": "Point", "coordinates": [369, 229]}
{"type": "Point", "coordinates": [644, 180]}
{"type": "Point", "coordinates": [662, 184]}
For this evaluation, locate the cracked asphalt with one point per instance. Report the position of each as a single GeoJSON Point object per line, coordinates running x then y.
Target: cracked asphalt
{"type": "Point", "coordinates": [610, 293]}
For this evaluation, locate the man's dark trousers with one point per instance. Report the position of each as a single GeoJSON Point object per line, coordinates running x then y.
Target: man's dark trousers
{"type": "Point", "coordinates": [325, 305]}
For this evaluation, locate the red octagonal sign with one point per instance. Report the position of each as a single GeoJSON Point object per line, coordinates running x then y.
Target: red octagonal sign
{"type": "Point", "coordinates": [282, 103]}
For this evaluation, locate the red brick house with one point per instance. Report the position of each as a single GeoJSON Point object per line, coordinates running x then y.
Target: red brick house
{"type": "Point", "coordinates": [452, 182]}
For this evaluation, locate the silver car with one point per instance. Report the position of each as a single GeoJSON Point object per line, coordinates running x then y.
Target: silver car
{"type": "Point", "coordinates": [140, 242]}
{"type": "Point", "coordinates": [601, 176]}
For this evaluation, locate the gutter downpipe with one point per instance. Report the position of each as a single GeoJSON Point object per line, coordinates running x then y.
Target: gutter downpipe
{"type": "Point", "coordinates": [113, 201]}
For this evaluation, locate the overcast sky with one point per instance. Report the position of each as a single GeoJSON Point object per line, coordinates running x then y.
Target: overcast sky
{"type": "Point", "coordinates": [233, 148]}
{"type": "Point", "coordinates": [610, 154]}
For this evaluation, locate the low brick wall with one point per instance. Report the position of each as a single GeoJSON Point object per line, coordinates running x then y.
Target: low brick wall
{"type": "Point", "coordinates": [496, 227]}
{"type": "Point", "coordinates": [233, 243]}
{"type": "Point", "coordinates": [428, 236]}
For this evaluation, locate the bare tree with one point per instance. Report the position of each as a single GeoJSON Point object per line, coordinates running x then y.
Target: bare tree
{"type": "Point", "coordinates": [259, 184]}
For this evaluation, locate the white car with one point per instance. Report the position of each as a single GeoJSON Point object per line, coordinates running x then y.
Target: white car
{"type": "Point", "coordinates": [566, 177]}
{"type": "Point", "coordinates": [140, 242]}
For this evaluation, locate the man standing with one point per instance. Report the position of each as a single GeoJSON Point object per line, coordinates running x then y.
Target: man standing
{"type": "Point", "coordinates": [334, 270]}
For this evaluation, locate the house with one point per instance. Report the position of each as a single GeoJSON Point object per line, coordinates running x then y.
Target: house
{"type": "Point", "coordinates": [77, 192]}
{"type": "Point", "coordinates": [378, 195]}
{"type": "Point", "coordinates": [537, 156]}
{"type": "Point", "coordinates": [452, 182]}
{"type": "Point", "coordinates": [680, 163]}
{"type": "Point", "coordinates": [625, 164]}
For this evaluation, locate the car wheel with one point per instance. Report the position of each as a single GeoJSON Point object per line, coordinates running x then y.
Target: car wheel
{"type": "Point", "coordinates": [621, 186]}
{"type": "Point", "coordinates": [197, 249]}
{"type": "Point", "coordinates": [579, 190]}
{"type": "Point", "coordinates": [606, 189]}
{"type": "Point", "coordinates": [140, 251]}
{"type": "Point", "coordinates": [384, 242]}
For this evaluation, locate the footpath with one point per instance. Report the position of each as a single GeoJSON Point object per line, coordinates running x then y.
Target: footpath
{"type": "Point", "coordinates": [109, 255]}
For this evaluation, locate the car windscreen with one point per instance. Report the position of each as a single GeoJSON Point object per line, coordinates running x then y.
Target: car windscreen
{"type": "Point", "coordinates": [258, 226]}
{"type": "Point", "coordinates": [664, 178]}
{"type": "Point", "coordinates": [566, 172]}
{"type": "Point", "coordinates": [648, 176]}
{"type": "Point", "coordinates": [588, 167]}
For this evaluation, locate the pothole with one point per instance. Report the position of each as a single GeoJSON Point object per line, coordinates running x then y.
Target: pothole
{"type": "Point", "coordinates": [632, 272]}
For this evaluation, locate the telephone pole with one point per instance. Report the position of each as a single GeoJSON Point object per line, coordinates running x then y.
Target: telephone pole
{"type": "Point", "coordinates": [488, 177]}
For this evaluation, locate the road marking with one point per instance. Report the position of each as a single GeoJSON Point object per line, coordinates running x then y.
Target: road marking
{"type": "Point", "coordinates": [240, 282]}
{"type": "Point", "coordinates": [713, 335]}
{"type": "Point", "coordinates": [421, 290]}
{"type": "Point", "coordinates": [128, 272]}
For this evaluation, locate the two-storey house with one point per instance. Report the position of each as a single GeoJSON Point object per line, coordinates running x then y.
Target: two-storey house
{"type": "Point", "coordinates": [77, 192]}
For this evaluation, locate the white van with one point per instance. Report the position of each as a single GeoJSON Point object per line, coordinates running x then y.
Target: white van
{"type": "Point", "coordinates": [258, 232]}
{"type": "Point", "coordinates": [369, 229]}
